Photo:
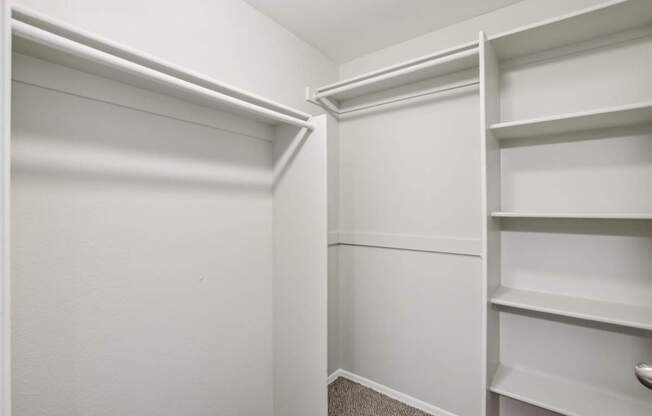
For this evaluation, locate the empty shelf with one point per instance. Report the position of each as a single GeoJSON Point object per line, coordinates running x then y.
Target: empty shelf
{"type": "Point", "coordinates": [564, 396]}
{"type": "Point", "coordinates": [578, 215]}
{"type": "Point", "coordinates": [432, 66]}
{"type": "Point", "coordinates": [620, 116]}
{"type": "Point", "coordinates": [592, 310]}
{"type": "Point", "coordinates": [605, 19]}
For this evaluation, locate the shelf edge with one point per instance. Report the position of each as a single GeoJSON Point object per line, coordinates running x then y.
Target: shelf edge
{"type": "Point", "coordinates": [496, 300]}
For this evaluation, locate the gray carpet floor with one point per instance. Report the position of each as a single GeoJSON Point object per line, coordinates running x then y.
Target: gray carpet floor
{"type": "Point", "coordinates": [346, 398]}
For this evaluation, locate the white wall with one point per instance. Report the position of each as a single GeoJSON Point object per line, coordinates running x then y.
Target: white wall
{"type": "Point", "coordinates": [225, 39]}
{"type": "Point", "coordinates": [411, 320]}
{"type": "Point", "coordinates": [133, 286]}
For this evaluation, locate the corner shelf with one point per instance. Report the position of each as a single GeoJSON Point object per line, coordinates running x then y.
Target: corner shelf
{"type": "Point", "coordinates": [620, 116]}
{"type": "Point", "coordinates": [632, 316]}
{"type": "Point", "coordinates": [564, 396]}
{"type": "Point", "coordinates": [585, 25]}
{"type": "Point", "coordinates": [574, 215]}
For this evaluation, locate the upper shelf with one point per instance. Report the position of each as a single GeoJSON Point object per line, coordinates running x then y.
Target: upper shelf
{"type": "Point", "coordinates": [621, 116]}
{"type": "Point", "coordinates": [50, 40]}
{"type": "Point", "coordinates": [606, 19]}
{"type": "Point", "coordinates": [442, 63]}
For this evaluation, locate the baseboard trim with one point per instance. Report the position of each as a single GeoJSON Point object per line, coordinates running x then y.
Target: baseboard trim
{"type": "Point", "coordinates": [396, 395]}
{"type": "Point", "coordinates": [335, 375]}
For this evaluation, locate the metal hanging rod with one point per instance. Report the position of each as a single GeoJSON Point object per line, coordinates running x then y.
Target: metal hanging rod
{"type": "Point", "coordinates": [156, 74]}
{"type": "Point", "coordinates": [76, 34]}
{"type": "Point", "coordinates": [340, 113]}
{"type": "Point", "coordinates": [400, 98]}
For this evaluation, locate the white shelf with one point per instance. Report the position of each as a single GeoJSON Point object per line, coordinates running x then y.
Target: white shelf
{"type": "Point", "coordinates": [621, 116]}
{"type": "Point", "coordinates": [431, 66]}
{"type": "Point", "coordinates": [606, 19]}
{"type": "Point", "coordinates": [47, 39]}
{"type": "Point", "coordinates": [564, 396]}
{"type": "Point", "coordinates": [592, 310]}
{"type": "Point", "coordinates": [577, 215]}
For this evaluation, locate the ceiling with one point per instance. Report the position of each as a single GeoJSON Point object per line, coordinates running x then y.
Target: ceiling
{"type": "Point", "coordinates": [347, 29]}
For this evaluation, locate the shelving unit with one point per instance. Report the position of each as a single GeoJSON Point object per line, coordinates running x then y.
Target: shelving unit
{"type": "Point", "coordinates": [557, 374]}
{"type": "Point", "coordinates": [608, 118]}
{"type": "Point", "coordinates": [563, 396]}
{"type": "Point", "coordinates": [632, 316]}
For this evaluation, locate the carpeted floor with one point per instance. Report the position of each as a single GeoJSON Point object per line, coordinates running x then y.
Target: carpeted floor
{"type": "Point", "coordinates": [346, 398]}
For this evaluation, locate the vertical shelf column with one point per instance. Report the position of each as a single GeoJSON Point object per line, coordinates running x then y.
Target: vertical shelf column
{"type": "Point", "coordinates": [5, 158]}
{"type": "Point", "coordinates": [490, 171]}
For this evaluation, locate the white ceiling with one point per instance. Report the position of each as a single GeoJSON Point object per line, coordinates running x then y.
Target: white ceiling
{"type": "Point", "coordinates": [347, 29]}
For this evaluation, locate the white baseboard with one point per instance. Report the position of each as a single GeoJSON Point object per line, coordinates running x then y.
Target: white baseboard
{"type": "Point", "coordinates": [396, 395]}
{"type": "Point", "coordinates": [335, 375]}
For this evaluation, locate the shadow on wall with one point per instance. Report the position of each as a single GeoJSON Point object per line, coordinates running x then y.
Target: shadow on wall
{"type": "Point", "coordinates": [289, 141]}
{"type": "Point", "coordinates": [66, 137]}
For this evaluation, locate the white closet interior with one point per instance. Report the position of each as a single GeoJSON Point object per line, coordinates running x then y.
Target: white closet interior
{"type": "Point", "coordinates": [566, 178]}
{"type": "Point", "coordinates": [468, 232]}
{"type": "Point", "coordinates": [167, 230]}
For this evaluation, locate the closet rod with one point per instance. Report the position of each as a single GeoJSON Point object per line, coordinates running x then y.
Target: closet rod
{"type": "Point", "coordinates": [344, 112]}
{"type": "Point", "coordinates": [432, 91]}
{"type": "Point", "coordinates": [47, 23]}
{"type": "Point", "coordinates": [59, 43]}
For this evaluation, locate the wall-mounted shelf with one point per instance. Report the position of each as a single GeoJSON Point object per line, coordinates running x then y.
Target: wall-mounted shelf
{"type": "Point", "coordinates": [603, 20]}
{"type": "Point", "coordinates": [620, 116]}
{"type": "Point", "coordinates": [47, 39]}
{"type": "Point", "coordinates": [564, 396]}
{"type": "Point", "coordinates": [632, 316]}
{"type": "Point", "coordinates": [601, 44]}
{"type": "Point", "coordinates": [575, 215]}
{"type": "Point", "coordinates": [431, 66]}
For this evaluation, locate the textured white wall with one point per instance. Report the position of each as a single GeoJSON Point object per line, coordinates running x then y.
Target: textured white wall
{"type": "Point", "coordinates": [224, 39]}
{"type": "Point", "coordinates": [141, 263]}
{"type": "Point", "coordinates": [412, 323]}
